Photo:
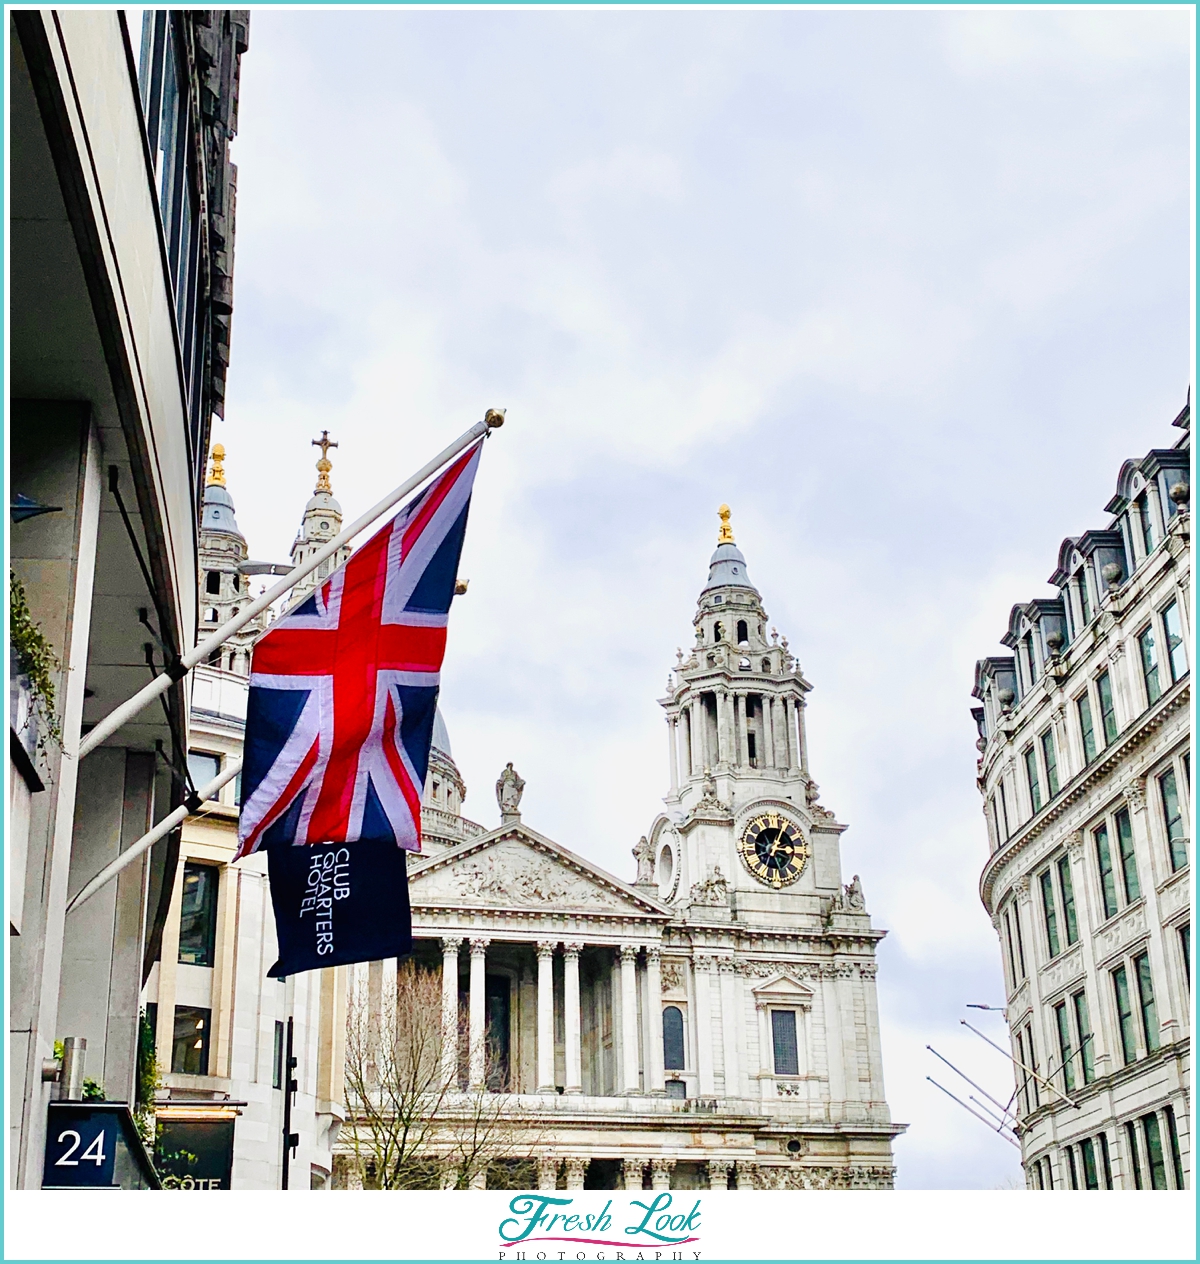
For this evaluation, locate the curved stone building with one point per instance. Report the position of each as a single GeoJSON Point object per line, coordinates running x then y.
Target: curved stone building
{"type": "Point", "coordinates": [1085, 772]}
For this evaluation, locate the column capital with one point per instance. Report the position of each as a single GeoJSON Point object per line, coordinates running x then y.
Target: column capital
{"type": "Point", "coordinates": [629, 952]}
{"type": "Point", "coordinates": [479, 946]}
{"type": "Point", "coordinates": [703, 961]}
{"type": "Point", "coordinates": [571, 951]}
{"type": "Point", "coordinates": [451, 944]}
{"type": "Point", "coordinates": [653, 955]}
{"type": "Point", "coordinates": [546, 947]}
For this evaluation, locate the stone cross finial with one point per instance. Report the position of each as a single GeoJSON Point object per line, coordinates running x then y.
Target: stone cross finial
{"type": "Point", "coordinates": [725, 535]}
{"type": "Point", "coordinates": [324, 465]}
{"type": "Point", "coordinates": [216, 477]}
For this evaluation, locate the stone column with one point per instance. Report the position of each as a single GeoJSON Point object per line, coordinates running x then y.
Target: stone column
{"type": "Point", "coordinates": [766, 1052]}
{"type": "Point", "coordinates": [741, 713]}
{"type": "Point", "coordinates": [801, 738]}
{"type": "Point", "coordinates": [768, 731]}
{"type": "Point", "coordinates": [731, 1021]}
{"type": "Point", "coordinates": [631, 1172]}
{"type": "Point", "coordinates": [571, 1018]}
{"type": "Point", "coordinates": [832, 1016]}
{"type": "Point", "coordinates": [547, 1172]}
{"type": "Point", "coordinates": [660, 1173]}
{"type": "Point", "coordinates": [629, 1023]}
{"type": "Point", "coordinates": [789, 730]}
{"type": "Point", "coordinates": [477, 1047]}
{"type": "Point", "coordinates": [703, 1025]}
{"type": "Point", "coordinates": [545, 1016]}
{"type": "Point", "coordinates": [699, 734]}
{"type": "Point", "coordinates": [724, 728]}
{"type": "Point", "coordinates": [575, 1171]}
{"type": "Point", "coordinates": [673, 752]}
{"type": "Point", "coordinates": [655, 1074]}
{"type": "Point", "coordinates": [450, 949]}
{"type": "Point", "coordinates": [747, 1175]}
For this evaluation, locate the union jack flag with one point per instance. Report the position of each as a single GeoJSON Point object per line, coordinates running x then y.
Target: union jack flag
{"type": "Point", "coordinates": [343, 688]}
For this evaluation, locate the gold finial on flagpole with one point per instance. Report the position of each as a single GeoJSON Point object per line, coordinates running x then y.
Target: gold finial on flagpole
{"type": "Point", "coordinates": [324, 465]}
{"type": "Point", "coordinates": [216, 476]}
{"type": "Point", "coordinates": [725, 535]}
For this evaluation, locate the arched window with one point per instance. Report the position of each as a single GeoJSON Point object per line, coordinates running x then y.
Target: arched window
{"type": "Point", "coordinates": [718, 631]}
{"type": "Point", "coordinates": [673, 1038]}
{"type": "Point", "coordinates": [212, 583]}
{"type": "Point", "coordinates": [766, 665]}
{"type": "Point", "coordinates": [742, 631]}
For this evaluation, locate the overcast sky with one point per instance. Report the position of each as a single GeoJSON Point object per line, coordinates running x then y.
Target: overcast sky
{"type": "Point", "coordinates": [903, 288]}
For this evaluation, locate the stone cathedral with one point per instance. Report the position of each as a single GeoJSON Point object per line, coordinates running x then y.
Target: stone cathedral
{"type": "Point", "coordinates": [713, 1022]}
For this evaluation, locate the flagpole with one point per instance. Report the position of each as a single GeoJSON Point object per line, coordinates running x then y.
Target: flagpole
{"type": "Point", "coordinates": [176, 671]}
{"type": "Point", "coordinates": [161, 830]}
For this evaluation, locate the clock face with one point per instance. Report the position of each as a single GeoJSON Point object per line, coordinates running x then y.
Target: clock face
{"type": "Point", "coordinates": [773, 849]}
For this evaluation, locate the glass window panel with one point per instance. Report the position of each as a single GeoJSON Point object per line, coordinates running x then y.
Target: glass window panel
{"type": "Point", "coordinates": [1108, 881]}
{"type": "Point", "coordinates": [1068, 899]}
{"type": "Point", "coordinates": [1147, 522]}
{"type": "Point", "coordinates": [783, 1031]}
{"type": "Point", "coordinates": [1133, 888]}
{"type": "Point", "coordinates": [1083, 1028]}
{"type": "Point", "coordinates": [203, 767]}
{"type": "Point", "coordinates": [1125, 1015]}
{"type": "Point", "coordinates": [1049, 913]}
{"type": "Point", "coordinates": [198, 920]}
{"type": "Point", "coordinates": [1037, 1174]}
{"type": "Point", "coordinates": [1149, 1010]}
{"type": "Point", "coordinates": [1149, 657]}
{"type": "Point", "coordinates": [673, 1038]}
{"type": "Point", "coordinates": [1087, 729]}
{"type": "Point", "coordinates": [1173, 1136]}
{"type": "Point", "coordinates": [1085, 601]}
{"type": "Point", "coordinates": [1173, 818]}
{"type": "Point", "coordinates": [1108, 713]}
{"type": "Point", "coordinates": [1071, 1168]}
{"type": "Point", "coordinates": [1135, 1164]}
{"type": "Point", "coordinates": [1048, 757]}
{"type": "Point", "coordinates": [1065, 1053]}
{"type": "Point", "coordinates": [1176, 651]}
{"type": "Point", "coordinates": [1091, 1179]}
{"type": "Point", "coordinates": [1012, 955]}
{"type": "Point", "coordinates": [1105, 1160]}
{"type": "Point", "coordinates": [676, 1089]}
{"type": "Point", "coordinates": [1016, 914]}
{"type": "Point", "coordinates": [1154, 1152]}
{"type": "Point", "coordinates": [1185, 947]}
{"type": "Point", "coordinates": [189, 1052]}
{"type": "Point", "coordinates": [1033, 1066]}
{"type": "Point", "coordinates": [1031, 773]}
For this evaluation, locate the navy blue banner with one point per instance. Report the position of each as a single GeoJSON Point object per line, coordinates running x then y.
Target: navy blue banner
{"type": "Point", "coordinates": [338, 903]}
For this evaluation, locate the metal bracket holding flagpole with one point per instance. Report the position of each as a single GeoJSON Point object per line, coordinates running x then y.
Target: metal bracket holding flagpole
{"type": "Point", "coordinates": [493, 419]}
{"type": "Point", "coordinates": [177, 670]}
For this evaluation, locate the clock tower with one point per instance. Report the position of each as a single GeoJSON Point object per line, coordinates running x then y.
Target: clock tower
{"type": "Point", "coordinates": [742, 809]}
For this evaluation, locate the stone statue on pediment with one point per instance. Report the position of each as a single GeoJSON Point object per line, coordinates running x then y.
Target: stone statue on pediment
{"type": "Point", "coordinates": [509, 789]}
{"type": "Point", "coordinates": [854, 895]}
{"type": "Point", "coordinates": [643, 853]}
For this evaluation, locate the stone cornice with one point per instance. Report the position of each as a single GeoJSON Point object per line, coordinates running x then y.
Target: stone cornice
{"type": "Point", "coordinates": [1113, 757]}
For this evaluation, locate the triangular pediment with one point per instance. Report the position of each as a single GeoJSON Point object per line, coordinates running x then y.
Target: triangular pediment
{"type": "Point", "coordinates": [515, 867]}
{"type": "Point", "coordinates": [782, 989]}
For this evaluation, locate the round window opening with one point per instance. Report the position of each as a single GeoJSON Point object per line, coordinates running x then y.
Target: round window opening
{"type": "Point", "coordinates": [793, 1146]}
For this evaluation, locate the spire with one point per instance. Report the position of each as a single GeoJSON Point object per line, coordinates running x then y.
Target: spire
{"type": "Point", "coordinates": [725, 535]}
{"type": "Point", "coordinates": [324, 465]}
{"type": "Point", "coordinates": [216, 477]}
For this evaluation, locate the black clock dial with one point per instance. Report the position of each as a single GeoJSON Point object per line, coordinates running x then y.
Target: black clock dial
{"type": "Point", "coordinates": [773, 849]}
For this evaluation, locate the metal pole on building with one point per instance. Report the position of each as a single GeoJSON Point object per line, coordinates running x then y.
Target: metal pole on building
{"type": "Point", "coordinates": [290, 1139]}
{"type": "Point", "coordinates": [177, 670]}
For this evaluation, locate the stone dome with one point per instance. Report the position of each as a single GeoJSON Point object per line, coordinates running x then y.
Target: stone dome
{"type": "Point", "coordinates": [218, 511]}
{"type": "Point", "coordinates": [727, 569]}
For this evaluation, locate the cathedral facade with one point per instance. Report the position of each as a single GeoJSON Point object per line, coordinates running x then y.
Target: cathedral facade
{"type": "Point", "coordinates": [710, 1022]}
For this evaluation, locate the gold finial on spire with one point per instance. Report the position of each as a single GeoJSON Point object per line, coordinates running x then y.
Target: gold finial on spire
{"type": "Point", "coordinates": [216, 476]}
{"type": "Point", "coordinates": [725, 535]}
{"type": "Point", "coordinates": [324, 465]}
